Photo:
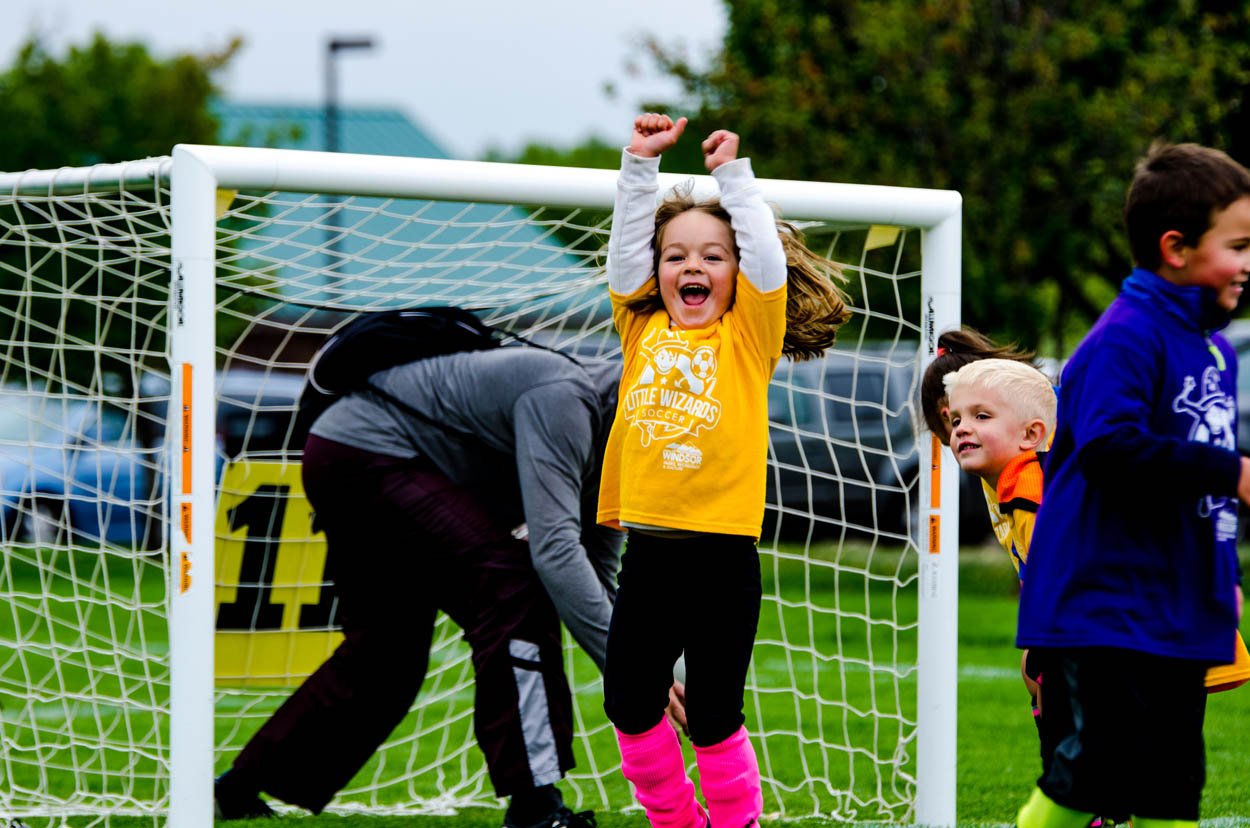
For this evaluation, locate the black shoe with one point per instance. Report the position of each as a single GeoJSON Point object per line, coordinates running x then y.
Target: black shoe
{"type": "Point", "coordinates": [561, 817]}
{"type": "Point", "coordinates": [232, 801]}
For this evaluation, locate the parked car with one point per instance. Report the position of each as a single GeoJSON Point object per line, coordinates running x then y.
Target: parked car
{"type": "Point", "coordinates": [70, 465]}
{"type": "Point", "coordinates": [255, 412]}
{"type": "Point", "coordinates": [1238, 335]}
{"type": "Point", "coordinates": [86, 470]}
{"type": "Point", "coordinates": [842, 448]}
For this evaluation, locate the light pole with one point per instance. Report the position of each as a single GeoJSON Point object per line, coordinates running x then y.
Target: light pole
{"type": "Point", "coordinates": [333, 46]}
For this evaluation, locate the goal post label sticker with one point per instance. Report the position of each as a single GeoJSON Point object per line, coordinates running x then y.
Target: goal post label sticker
{"type": "Point", "coordinates": [935, 474]}
{"type": "Point", "coordinates": [184, 565]}
{"type": "Point", "coordinates": [274, 605]}
{"type": "Point", "coordinates": [186, 428]}
{"type": "Point", "coordinates": [935, 496]}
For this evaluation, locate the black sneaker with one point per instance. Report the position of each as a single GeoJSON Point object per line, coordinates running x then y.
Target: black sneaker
{"type": "Point", "coordinates": [561, 817]}
{"type": "Point", "coordinates": [232, 801]}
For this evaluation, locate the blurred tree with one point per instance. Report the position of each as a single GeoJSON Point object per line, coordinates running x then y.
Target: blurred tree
{"type": "Point", "coordinates": [1035, 112]}
{"type": "Point", "coordinates": [104, 102]}
{"type": "Point", "coordinates": [593, 152]}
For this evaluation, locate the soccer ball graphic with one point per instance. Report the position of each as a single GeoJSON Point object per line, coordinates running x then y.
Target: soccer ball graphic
{"type": "Point", "coordinates": [704, 362]}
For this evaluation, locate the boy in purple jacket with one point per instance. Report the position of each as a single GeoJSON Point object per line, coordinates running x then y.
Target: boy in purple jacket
{"type": "Point", "coordinates": [1133, 577]}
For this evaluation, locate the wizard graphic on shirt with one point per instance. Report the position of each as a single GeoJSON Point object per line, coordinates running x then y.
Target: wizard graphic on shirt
{"type": "Point", "coordinates": [673, 394]}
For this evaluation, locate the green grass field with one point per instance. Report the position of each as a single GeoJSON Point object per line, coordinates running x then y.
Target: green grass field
{"type": "Point", "coordinates": [997, 752]}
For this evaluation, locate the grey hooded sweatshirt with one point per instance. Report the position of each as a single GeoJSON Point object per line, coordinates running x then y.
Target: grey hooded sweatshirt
{"type": "Point", "coordinates": [523, 430]}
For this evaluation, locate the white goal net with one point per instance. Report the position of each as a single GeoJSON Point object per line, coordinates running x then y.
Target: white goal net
{"type": "Point", "coordinates": [96, 521]}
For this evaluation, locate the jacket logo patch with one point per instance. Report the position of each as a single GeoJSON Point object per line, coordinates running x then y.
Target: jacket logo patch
{"type": "Point", "coordinates": [1214, 414]}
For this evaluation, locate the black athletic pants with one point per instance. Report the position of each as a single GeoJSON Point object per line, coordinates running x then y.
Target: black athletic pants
{"type": "Point", "coordinates": [1126, 728]}
{"type": "Point", "coordinates": [699, 594]}
{"type": "Point", "coordinates": [406, 542]}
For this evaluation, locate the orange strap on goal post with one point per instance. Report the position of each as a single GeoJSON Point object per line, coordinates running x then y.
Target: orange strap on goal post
{"type": "Point", "coordinates": [935, 496]}
{"type": "Point", "coordinates": [184, 509]}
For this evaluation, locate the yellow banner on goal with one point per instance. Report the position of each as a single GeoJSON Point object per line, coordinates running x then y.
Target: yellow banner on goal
{"type": "Point", "coordinates": [274, 605]}
{"type": "Point", "coordinates": [881, 235]}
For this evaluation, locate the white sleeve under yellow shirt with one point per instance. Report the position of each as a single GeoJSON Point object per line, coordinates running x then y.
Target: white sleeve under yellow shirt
{"type": "Point", "coordinates": [690, 439]}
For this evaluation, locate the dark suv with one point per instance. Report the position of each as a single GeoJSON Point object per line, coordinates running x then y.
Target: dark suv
{"type": "Point", "coordinates": [842, 448]}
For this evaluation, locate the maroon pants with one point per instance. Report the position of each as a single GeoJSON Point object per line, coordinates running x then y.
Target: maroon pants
{"type": "Point", "coordinates": [405, 542]}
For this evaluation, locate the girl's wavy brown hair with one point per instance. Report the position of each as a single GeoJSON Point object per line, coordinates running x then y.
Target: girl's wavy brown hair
{"type": "Point", "coordinates": [815, 305]}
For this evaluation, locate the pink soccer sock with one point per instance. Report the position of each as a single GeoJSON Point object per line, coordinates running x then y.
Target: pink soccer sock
{"type": "Point", "coordinates": [731, 781]}
{"type": "Point", "coordinates": [653, 762]}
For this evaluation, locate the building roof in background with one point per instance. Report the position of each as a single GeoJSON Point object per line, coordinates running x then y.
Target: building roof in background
{"type": "Point", "coordinates": [367, 253]}
{"type": "Point", "coordinates": [369, 130]}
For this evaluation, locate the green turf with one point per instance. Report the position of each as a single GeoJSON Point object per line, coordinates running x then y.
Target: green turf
{"type": "Point", "coordinates": [997, 752]}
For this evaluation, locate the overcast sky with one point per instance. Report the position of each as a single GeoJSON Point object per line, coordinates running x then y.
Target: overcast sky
{"type": "Point", "coordinates": [473, 73]}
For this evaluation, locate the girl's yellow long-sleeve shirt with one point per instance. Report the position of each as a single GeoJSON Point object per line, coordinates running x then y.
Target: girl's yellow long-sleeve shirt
{"type": "Point", "coordinates": [689, 442]}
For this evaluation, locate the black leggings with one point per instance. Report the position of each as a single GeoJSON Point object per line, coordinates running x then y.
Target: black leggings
{"type": "Point", "coordinates": [699, 594]}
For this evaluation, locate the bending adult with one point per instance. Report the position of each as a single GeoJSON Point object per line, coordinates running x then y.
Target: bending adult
{"type": "Point", "coordinates": [419, 489]}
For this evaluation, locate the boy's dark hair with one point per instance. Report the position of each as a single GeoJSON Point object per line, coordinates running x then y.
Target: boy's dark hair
{"type": "Point", "coordinates": [1178, 187]}
{"type": "Point", "coordinates": [955, 350]}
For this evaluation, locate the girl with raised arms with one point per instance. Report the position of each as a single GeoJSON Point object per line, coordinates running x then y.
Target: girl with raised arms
{"type": "Point", "coordinates": [706, 296]}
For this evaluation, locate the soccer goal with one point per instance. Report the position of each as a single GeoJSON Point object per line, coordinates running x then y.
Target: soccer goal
{"type": "Point", "coordinates": [163, 585]}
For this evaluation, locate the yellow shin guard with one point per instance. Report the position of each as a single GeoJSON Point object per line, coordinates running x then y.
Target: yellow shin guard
{"type": "Point", "coordinates": [1147, 822]}
{"type": "Point", "coordinates": [1043, 812]}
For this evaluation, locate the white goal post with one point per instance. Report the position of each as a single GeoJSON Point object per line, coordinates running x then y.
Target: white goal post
{"type": "Point", "coordinates": [197, 176]}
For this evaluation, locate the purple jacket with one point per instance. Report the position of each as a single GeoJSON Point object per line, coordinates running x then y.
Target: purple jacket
{"type": "Point", "coordinates": [1135, 542]}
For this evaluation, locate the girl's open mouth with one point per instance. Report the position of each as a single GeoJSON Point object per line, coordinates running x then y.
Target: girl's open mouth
{"type": "Point", "coordinates": [694, 294]}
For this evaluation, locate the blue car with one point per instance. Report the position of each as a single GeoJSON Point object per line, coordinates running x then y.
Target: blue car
{"type": "Point", "coordinates": [88, 472]}
{"type": "Point", "coordinates": [71, 471]}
